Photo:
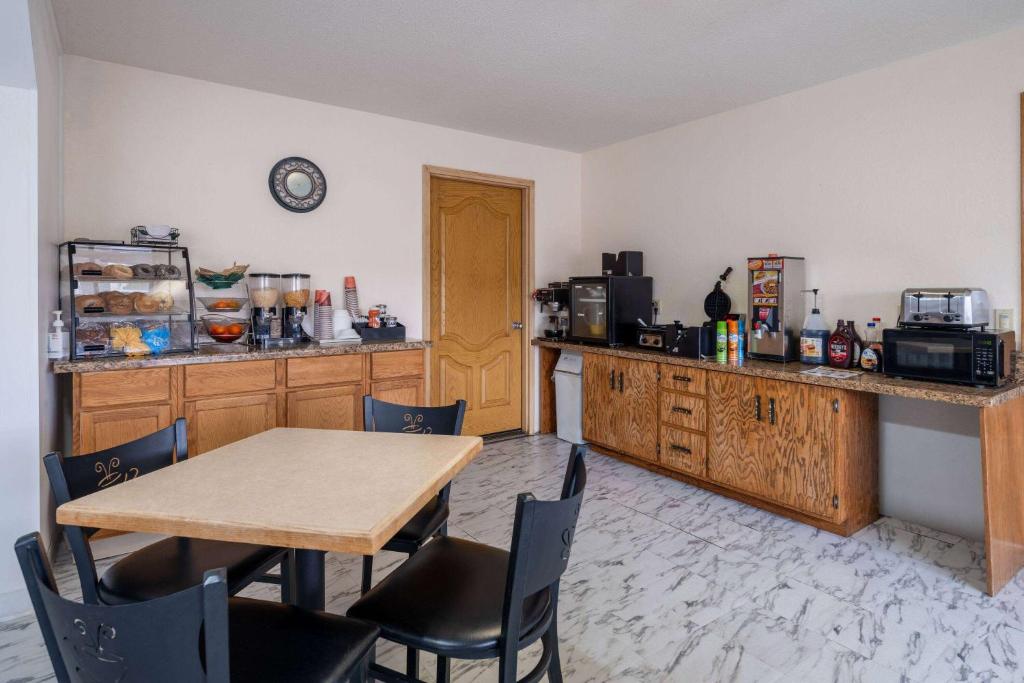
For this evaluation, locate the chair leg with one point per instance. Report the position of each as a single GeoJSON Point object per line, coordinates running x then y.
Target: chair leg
{"type": "Point", "coordinates": [444, 670]}
{"type": "Point", "coordinates": [443, 531]}
{"type": "Point", "coordinates": [367, 573]}
{"type": "Point", "coordinates": [507, 668]}
{"type": "Point", "coordinates": [412, 663]}
{"type": "Point", "coordinates": [361, 674]}
{"type": "Point", "coordinates": [550, 640]}
{"type": "Point", "coordinates": [288, 578]}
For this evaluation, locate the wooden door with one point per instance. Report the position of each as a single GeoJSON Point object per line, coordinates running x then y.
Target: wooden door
{"type": "Point", "coordinates": [100, 429]}
{"type": "Point", "coordinates": [636, 422]}
{"type": "Point", "coordinates": [476, 265]}
{"type": "Point", "coordinates": [330, 408]}
{"type": "Point", "coordinates": [599, 400]}
{"type": "Point", "coordinates": [804, 451]}
{"type": "Point", "coordinates": [407, 392]}
{"type": "Point", "coordinates": [213, 422]}
{"type": "Point", "coordinates": [737, 435]}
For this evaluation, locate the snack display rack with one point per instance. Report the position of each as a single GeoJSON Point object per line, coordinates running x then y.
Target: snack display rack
{"type": "Point", "coordinates": [123, 300]}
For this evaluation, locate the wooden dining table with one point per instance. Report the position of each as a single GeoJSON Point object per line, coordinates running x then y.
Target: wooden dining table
{"type": "Point", "coordinates": [314, 490]}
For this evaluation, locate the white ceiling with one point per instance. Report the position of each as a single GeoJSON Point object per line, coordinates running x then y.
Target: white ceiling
{"type": "Point", "coordinates": [571, 74]}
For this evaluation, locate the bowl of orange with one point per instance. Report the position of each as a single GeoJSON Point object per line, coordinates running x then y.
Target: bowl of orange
{"type": "Point", "coordinates": [224, 329]}
{"type": "Point", "coordinates": [222, 304]}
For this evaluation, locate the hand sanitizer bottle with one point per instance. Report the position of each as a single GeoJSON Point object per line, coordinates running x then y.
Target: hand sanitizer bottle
{"type": "Point", "coordinates": [57, 339]}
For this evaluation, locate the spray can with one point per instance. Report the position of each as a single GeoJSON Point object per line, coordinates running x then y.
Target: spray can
{"type": "Point", "coordinates": [732, 325]}
{"type": "Point", "coordinates": [721, 341]}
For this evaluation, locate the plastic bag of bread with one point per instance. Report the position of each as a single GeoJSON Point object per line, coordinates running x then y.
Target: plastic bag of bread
{"type": "Point", "coordinates": [127, 338]}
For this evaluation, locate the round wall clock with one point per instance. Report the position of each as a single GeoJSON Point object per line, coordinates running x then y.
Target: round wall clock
{"type": "Point", "coordinates": [297, 184]}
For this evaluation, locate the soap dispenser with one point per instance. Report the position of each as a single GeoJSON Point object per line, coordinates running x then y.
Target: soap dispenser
{"type": "Point", "coordinates": [57, 339]}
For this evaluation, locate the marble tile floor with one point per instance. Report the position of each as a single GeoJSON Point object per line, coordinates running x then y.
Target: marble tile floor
{"type": "Point", "coordinates": [669, 582]}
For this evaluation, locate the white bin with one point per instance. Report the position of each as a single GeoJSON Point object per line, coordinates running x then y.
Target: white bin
{"type": "Point", "coordinates": [568, 377]}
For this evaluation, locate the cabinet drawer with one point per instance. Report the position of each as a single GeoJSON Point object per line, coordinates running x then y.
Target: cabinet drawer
{"type": "Point", "coordinates": [683, 451]}
{"type": "Point", "coordinates": [121, 387]}
{"type": "Point", "coordinates": [681, 410]}
{"type": "Point", "coordinates": [217, 379]}
{"type": "Point", "coordinates": [308, 372]}
{"type": "Point", "coordinates": [396, 364]}
{"type": "Point", "coordinates": [681, 378]}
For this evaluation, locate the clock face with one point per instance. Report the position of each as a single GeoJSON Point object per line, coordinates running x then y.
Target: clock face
{"type": "Point", "coordinates": [297, 184]}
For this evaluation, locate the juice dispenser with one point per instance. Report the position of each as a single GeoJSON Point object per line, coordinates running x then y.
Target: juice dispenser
{"type": "Point", "coordinates": [776, 306]}
{"type": "Point", "coordinates": [295, 292]}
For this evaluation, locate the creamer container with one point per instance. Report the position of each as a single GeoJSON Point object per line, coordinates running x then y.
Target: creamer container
{"type": "Point", "coordinates": [732, 326]}
{"type": "Point", "coordinates": [721, 342]}
{"type": "Point", "coordinates": [814, 336]}
{"type": "Point", "coordinates": [871, 356]}
{"type": "Point", "coordinates": [840, 346]}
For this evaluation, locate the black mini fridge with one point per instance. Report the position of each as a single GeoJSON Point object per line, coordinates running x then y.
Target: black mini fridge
{"type": "Point", "coordinates": [605, 309]}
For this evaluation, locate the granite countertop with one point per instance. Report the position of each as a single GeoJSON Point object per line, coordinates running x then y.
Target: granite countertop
{"type": "Point", "coordinates": [224, 353]}
{"type": "Point", "coordinates": [870, 382]}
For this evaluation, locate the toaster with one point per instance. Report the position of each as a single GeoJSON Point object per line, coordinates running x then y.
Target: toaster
{"type": "Point", "coordinates": [692, 342]}
{"type": "Point", "coordinates": [963, 307]}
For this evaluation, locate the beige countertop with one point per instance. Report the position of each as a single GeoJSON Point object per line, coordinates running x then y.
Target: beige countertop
{"type": "Point", "coordinates": [869, 382]}
{"type": "Point", "coordinates": [224, 353]}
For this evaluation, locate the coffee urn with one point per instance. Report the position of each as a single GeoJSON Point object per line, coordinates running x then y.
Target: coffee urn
{"type": "Point", "coordinates": [776, 307]}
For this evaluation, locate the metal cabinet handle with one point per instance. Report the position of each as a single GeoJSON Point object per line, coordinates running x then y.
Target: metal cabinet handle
{"type": "Point", "coordinates": [677, 447]}
{"type": "Point", "coordinates": [757, 407]}
{"type": "Point", "coordinates": [680, 409]}
{"type": "Point", "coordinates": [771, 410]}
{"type": "Point", "coordinates": [620, 382]}
{"type": "Point", "coordinates": [611, 380]}
{"type": "Point", "coordinates": [682, 378]}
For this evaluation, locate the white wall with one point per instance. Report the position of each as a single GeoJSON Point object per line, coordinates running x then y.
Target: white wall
{"type": "Point", "coordinates": [148, 147]}
{"type": "Point", "coordinates": [47, 53]}
{"type": "Point", "coordinates": [905, 175]}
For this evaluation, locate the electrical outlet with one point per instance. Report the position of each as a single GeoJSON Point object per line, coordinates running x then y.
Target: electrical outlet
{"type": "Point", "coordinates": [1002, 318]}
{"type": "Point", "coordinates": [656, 304]}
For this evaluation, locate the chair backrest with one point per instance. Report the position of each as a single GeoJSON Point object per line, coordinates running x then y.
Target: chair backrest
{"type": "Point", "coordinates": [180, 638]}
{"type": "Point", "coordinates": [78, 476]}
{"type": "Point", "coordinates": [542, 537]}
{"type": "Point", "coordinates": [381, 416]}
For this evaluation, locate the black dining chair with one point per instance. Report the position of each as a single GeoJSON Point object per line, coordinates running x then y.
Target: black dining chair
{"type": "Point", "coordinates": [195, 635]}
{"type": "Point", "coordinates": [465, 600]}
{"type": "Point", "coordinates": [167, 566]}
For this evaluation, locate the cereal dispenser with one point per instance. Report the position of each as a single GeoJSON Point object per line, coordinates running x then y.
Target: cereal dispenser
{"type": "Point", "coordinates": [776, 306]}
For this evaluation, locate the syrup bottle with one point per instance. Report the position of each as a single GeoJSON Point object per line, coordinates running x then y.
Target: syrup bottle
{"type": "Point", "coordinates": [840, 346]}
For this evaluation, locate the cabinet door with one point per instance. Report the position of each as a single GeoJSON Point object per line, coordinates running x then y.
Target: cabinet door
{"type": "Point", "coordinates": [407, 392]}
{"type": "Point", "coordinates": [100, 429]}
{"type": "Point", "coordinates": [599, 400]}
{"type": "Point", "coordinates": [737, 454]}
{"type": "Point", "coordinates": [333, 408]}
{"type": "Point", "coordinates": [636, 419]}
{"type": "Point", "coordinates": [214, 422]}
{"type": "Point", "coordinates": [803, 446]}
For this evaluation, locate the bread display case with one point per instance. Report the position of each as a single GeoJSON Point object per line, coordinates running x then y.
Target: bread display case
{"type": "Point", "coordinates": [126, 300]}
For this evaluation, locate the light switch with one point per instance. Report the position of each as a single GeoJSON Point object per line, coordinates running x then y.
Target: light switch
{"type": "Point", "coordinates": [1003, 318]}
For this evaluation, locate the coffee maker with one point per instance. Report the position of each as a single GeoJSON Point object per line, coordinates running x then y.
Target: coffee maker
{"type": "Point", "coordinates": [264, 293]}
{"type": "Point", "coordinates": [295, 293]}
{"type": "Point", "coordinates": [555, 297]}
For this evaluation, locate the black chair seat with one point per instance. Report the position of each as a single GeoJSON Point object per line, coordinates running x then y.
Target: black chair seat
{"type": "Point", "coordinates": [271, 642]}
{"type": "Point", "coordinates": [176, 563]}
{"type": "Point", "coordinates": [448, 599]}
{"type": "Point", "coordinates": [423, 525]}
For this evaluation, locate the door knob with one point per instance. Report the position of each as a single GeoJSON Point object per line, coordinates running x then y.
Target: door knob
{"type": "Point", "coordinates": [517, 325]}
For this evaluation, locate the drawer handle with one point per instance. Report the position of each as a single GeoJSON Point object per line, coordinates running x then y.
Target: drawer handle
{"type": "Point", "coordinates": [680, 409]}
{"type": "Point", "coordinates": [677, 447]}
{"type": "Point", "coordinates": [620, 382]}
{"type": "Point", "coordinates": [682, 378]}
{"type": "Point", "coordinates": [757, 407]}
{"type": "Point", "coordinates": [771, 410]}
{"type": "Point", "coordinates": [611, 380]}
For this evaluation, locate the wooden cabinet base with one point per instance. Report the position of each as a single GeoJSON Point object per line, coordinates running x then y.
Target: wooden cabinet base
{"type": "Point", "coordinates": [848, 528]}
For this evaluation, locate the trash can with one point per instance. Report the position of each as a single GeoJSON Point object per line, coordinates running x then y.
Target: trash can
{"type": "Point", "coordinates": [568, 378]}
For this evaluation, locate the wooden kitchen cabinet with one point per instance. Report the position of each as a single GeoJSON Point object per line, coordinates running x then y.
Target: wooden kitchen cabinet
{"type": "Point", "coordinates": [214, 422]}
{"type": "Point", "coordinates": [620, 404]}
{"type": "Point", "coordinates": [100, 429]}
{"type": "Point", "coordinates": [408, 392]}
{"type": "Point", "coordinates": [332, 408]}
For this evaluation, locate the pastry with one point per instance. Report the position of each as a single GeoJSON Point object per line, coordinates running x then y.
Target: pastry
{"type": "Point", "coordinates": [164, 299]}
{"type": "Point", "coordinates": [88, 268]}
{"type": "Point", "coordinates": [90, 303]}
{"type": "Point", "coordinates": [144, 271]}
{"type": "Point", "coordinates": [146, 303]}
{"type": "Point", "coordinates": [117, 270]}
{"type": "Point", "coordinates": [119, 304]}
{"type": "Point", "coordinates": [92, 333]}
{"type": "Point", "coordinates": [167, 272]}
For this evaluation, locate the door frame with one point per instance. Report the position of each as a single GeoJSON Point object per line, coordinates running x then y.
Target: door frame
{"type": "Point", "coordinates": [527, 186]}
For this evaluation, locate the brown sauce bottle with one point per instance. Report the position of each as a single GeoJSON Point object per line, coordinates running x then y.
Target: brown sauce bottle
{"type": "Point", "coordinates": [840, 346]}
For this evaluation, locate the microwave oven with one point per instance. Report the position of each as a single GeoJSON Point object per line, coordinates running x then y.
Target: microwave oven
{"type": "Point", "coordinates": [958, 356]}
{"type": "Point", "coordinates": [605, 309]}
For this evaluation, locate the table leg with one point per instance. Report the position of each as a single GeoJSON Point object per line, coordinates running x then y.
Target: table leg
{"type": "Point", "coordinates": [310, 591]}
